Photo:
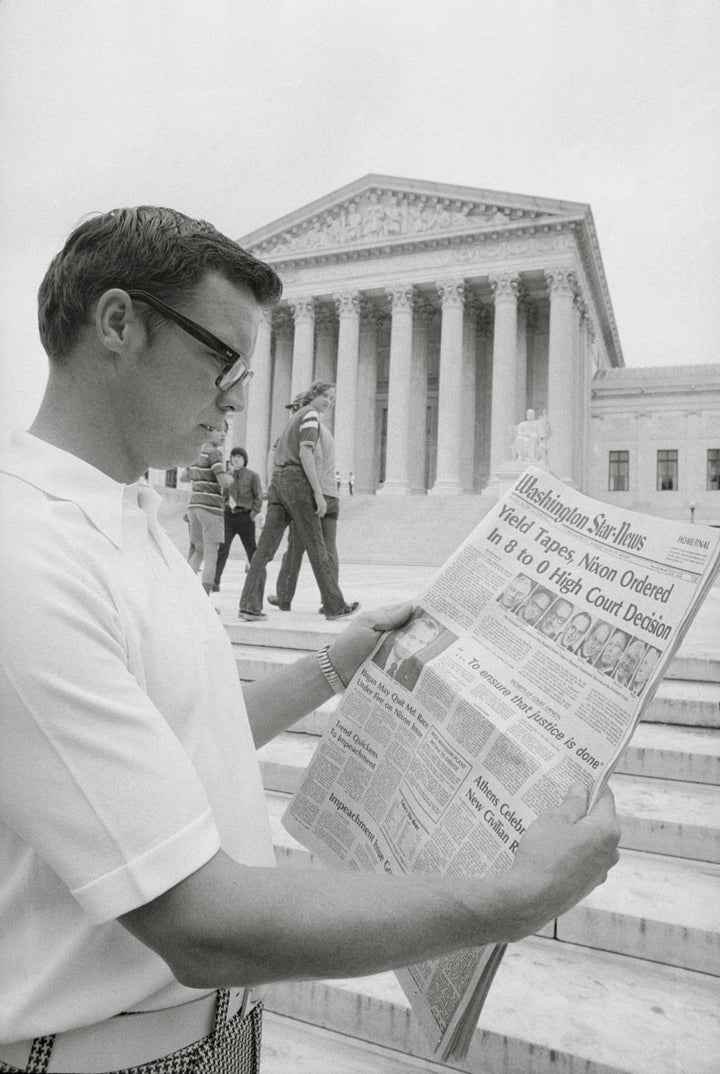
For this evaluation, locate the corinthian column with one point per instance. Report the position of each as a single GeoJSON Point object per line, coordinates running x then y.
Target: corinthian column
{"type": "Point", "coordinates": [397, 468]}
{"type": "Point", "coordinates": [304, 344]}
{"type": "Point", "coordinates": [469, 385]}
{"type": "Point", "coordinates": [504, 377]}
{"type": "Point", "coordinates": [325, 344]}
{"type": "Point", "coordinates": [562, 401]}
{"type": "Point", "coordinates": [448, 480]}
{"type": "Point", "coordinates": [348, 307]}
{"type": "Point", "coordinates": [282, 371]}
{"type": "Point", "coordinates": [258, 402]}
{"type": "Point", "coordinates": [417, 403]}
{"type": "Point", "coordinates": [366, 475]}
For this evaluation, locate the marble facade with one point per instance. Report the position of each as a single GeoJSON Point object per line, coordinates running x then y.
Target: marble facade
{"type": "Point", "coordinates": [443, 313]}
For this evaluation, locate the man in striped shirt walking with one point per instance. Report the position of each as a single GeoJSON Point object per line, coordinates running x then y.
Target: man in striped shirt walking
{"type": "Point", "coordinates": [206, 510]}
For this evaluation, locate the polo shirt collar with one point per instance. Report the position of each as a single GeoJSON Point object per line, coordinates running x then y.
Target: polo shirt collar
{"type": "Point", "coordinates": [63, 476]}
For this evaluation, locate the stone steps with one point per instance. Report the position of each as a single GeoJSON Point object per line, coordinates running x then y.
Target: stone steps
{"type": "Point", "coordinates": [659, 751]}
{"type": "Point", "coordinates": [290, 1046]}
{"type": "Point", "coordinates": [307, 632]}
{"type": "Point", "coordinates": [628, 982]}
{"type": "Point", "coordinates": [552, 1006]}
{"type": "Point", "coordinates": [661, 816]}
{"type": "Point", "coordinates": [644, 908]}
{"type": "Point", "coordinates": [694, 704]}
{"type": "Point", "coordinates": [664, 751]}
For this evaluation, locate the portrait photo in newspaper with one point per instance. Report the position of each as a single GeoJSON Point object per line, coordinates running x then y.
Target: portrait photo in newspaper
{"type": "Point", "coordinates": [405, 652]}
{"type": "Point", "coordinates": [615, 653]}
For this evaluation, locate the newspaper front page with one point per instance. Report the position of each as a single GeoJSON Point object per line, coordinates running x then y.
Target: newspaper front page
{"type": "Point", "coordinates": [524, 668]}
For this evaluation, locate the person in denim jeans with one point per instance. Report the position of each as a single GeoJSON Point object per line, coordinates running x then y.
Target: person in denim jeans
{"type": "Point", "coordinates": [295, 495]}
{"type": "Point", "coordinates": [287, 578]}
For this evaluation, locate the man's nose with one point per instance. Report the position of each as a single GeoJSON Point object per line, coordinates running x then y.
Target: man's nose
{"type": "Point", "coordinates": [234, 398]}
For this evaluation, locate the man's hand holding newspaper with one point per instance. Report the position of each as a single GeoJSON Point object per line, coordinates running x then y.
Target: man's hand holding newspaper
{"type": "Point", "coordinates": [563, 855]}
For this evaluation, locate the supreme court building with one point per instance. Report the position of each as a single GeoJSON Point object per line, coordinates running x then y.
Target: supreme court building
{"type": "Point", "coordinates": [442, 313]}
{"type": "Point", "coordinates": [445, 314]}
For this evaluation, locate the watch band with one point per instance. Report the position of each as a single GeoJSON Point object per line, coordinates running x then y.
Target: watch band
{"type": "Point", "coordinates": [331, 675]}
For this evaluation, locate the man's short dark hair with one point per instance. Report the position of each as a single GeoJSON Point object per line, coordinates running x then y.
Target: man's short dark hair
{"type": "Point", "coordinates": [239, 451]}
{"type": "Point", "coordinates": [158, 250]}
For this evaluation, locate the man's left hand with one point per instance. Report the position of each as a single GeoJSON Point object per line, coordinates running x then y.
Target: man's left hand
{"type": "Point", "coordinates": [355, 644]}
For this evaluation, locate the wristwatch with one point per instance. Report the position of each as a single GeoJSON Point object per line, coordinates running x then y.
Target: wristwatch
{"type": "Point", "coordinates": [328, 670]}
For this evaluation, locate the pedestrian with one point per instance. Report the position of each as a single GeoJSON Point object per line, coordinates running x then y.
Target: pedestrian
{"type": "Point", "coordinates": [295, 495]}
{"type": "Point", "coordinates": [140, 904]}
{"type": "Point", "coordinates": [205, 509]}
{"type": "Point", "coordinates": [289, 573]}
{"type": "Point", "coordinates": [242, 502]}
{"type": "Point", "coordinates": [337, 480]}
{"type": "Point", "coordinates": [351, 482]}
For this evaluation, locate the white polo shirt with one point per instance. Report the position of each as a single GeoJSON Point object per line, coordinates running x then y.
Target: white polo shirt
{"type": "Point", "coordinates": [126, 757]}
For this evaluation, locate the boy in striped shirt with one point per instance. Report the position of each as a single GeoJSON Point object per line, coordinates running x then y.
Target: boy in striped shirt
{"type": "Point", "coordinates": [205, 509]}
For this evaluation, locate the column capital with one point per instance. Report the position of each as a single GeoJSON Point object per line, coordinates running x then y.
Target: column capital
{"type": "Point", "coordinates": [402, 296]}
{"type": "Point", "coordinates": [504, 286]}
{"type": "Point", "coordinates": [452, 292]}
{"type": "Point", "coordinates": [561, 281]}
{"type": "Point", "coordinates": [303, 309]}
{"type": "Point", "coordinates": [523, 297]}
{"type": "Point", "coordinates": [347, 304]}
{"type": "Point", "coordinates": [282, 321]}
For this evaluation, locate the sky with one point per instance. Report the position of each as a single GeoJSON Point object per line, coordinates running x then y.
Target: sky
{"type": "Point", "coordinates": [240, 111]}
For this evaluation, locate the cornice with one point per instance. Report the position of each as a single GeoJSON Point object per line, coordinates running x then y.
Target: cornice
{"type": "Point", "coordinates": [406, 243]}
{"type": "Point", "coordinates": [428, 217]}
{"type": "Point", "coordinates": [657, 380]}
{"type": "Point", "coordinates": [416, 189]}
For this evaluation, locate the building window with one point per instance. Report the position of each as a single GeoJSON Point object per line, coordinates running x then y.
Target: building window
{"type": "Point", "coordinates": [619, 473]}
{"type": "Point", "coordinates": [667, 470]}
{"type": "Point", "coordinates": [713, 469]}
{"type": "Point", "coordinates": [171, 479]}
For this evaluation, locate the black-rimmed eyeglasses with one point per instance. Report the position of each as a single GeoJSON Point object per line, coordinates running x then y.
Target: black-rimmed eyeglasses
{"type": "Point", "coordinates": [236, 368]}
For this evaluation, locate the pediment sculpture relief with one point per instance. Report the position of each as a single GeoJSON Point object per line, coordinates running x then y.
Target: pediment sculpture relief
{"type": "Point", "coordinates": [374, 217]}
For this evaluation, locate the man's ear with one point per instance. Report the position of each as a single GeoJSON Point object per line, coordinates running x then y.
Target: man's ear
{"type": "Point", "coordinates": [116, 321]}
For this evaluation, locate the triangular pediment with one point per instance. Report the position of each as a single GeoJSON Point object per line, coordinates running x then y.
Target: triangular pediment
{"type": "Point", "coordinates": [382, 210]}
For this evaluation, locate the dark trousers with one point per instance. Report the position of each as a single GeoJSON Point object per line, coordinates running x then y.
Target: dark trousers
{"type": "Point", "coordinates": [238, 523]}
{"type": "Point", "coordinates": [287, 579]}
{"type": "Point", "coordinates": [291, 499]}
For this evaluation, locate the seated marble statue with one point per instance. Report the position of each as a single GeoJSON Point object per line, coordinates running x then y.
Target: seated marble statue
{"type": "Point", "coordinates": [530, 435]}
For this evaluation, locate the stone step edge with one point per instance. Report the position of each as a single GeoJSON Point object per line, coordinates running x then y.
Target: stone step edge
{"type": "Point", "coordinates": [666, 831]}
{"type": "Point", "coordinates": [580, 985]}
{"type": "Point", "coordinates": [647, 754]}
{"type": "Point", "coordinates": [601, 921]}
{"type": "Point", "coordinates": [306, 637]}
{"type": "Point", "coordinates": [293, 1046]}
{"type": "Point", "coordinates": [686, 704]}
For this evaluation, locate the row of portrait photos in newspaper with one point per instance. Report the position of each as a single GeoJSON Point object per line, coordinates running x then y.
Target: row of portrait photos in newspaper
{"type": "Point", "coordinates": [614, 652]}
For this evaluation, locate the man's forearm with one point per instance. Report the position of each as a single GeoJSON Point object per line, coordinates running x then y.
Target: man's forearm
{"type": "Point", "coordinates": [229, 924]}
{"type": "Point", "coordinates": [307, 461]}
{"type": "Point", "coordinates": [289, 694]}
{"type": "Point", "coordinates": [261, 925]}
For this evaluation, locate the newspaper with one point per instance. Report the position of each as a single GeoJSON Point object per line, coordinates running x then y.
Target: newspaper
{"type": "Point", "coordinates": [525, 668]}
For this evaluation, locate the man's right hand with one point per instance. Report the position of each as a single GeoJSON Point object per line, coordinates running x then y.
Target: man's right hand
{"type": "Point", "coordinates": [320, 505]}
{"type": "Point", "coordinates": [566, 853]}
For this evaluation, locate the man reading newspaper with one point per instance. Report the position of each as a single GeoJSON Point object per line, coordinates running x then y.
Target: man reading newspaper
{"type": "Point", "coordinates": [138, 892]}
